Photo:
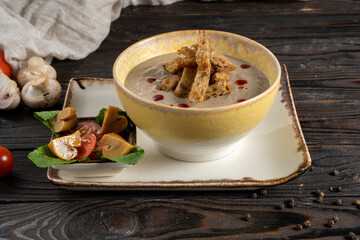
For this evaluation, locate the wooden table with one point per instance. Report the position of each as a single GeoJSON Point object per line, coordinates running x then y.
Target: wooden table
{"type": "Point", "coordinates": [319, 41]}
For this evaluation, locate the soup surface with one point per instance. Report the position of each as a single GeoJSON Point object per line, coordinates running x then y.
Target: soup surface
{"type": "Point", "coordinates": [246, 81]}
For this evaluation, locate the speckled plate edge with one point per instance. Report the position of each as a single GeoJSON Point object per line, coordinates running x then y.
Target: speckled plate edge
{"type": "Point", "coordinates": [216, 184]}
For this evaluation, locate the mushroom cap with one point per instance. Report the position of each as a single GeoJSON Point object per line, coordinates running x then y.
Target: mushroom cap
{"type": "Point", "coordinates": [64, 120]}
{"type": "Point", "coordinates": [64, 147]}
{"type": "Point", "coordinates": [9, 93]}
{"type": "Point", "coordinates": [116, 146]}
{"type": "Point", "coordinates": [113, 121]}
{"type": "Point", "coordinates": [41, 93]}
{"type": "Point", "coordinates": [35, 69]}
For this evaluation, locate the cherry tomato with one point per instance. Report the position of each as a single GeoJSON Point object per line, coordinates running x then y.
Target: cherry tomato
{"type": "Point", "coordinates": [88, 142]}
{"type": "Point", "coordinates": [89, 127]}
{"type": "Point", "coordinates": [6, 161]}
{"type": "Point", "coordinates": [4, 66]}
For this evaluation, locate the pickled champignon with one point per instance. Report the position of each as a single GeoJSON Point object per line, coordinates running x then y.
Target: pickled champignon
{"type": "Point", "coordinates": [115, 146]}
{"type": "Point", "coordinates": [65, 147]}
{"type": "Point", "coordinates": [113, 121]}
{"type": "Point", "coordinates": [36, 68]}
{"type": "Point", "coordinates": [41, 93]}
{"type": "Point", "coordinates": [64, 120]}
{"type": "Point", "coordinates": [9, 93]}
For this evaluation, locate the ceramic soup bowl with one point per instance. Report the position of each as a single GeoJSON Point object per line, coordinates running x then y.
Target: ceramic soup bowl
{"type": "Point", "coordinates": [196, 134]}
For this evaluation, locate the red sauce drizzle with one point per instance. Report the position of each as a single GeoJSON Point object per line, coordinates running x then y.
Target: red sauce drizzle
{"type": "Point", "coordinates": [151, 80]}
{"type": "Point", "coordinates": [158, 97]}
{"type": "Point", "coordinates": [241, 100]}
{"type": "Point", "coordinates": [241, 82]}
{"type": "Point", "coordinates": [244, 66]}
{"type": "Point", "coordinates": [241, 87]}
{"type": "Point", "coordinates": [183, 105]}
{"type": "Point", "coordinates": [171, 105]}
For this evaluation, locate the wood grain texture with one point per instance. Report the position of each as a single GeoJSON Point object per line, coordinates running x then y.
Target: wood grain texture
{"type": "Point", "coordinates": [320, 44]}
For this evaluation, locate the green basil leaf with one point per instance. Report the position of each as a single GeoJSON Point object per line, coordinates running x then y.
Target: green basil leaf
{"type": "Point", "coordinates": [43, 157]}
{"type": "Point", "coordinates": [45, 117]}
{"type": "Point", "coordinates": [100, 117]}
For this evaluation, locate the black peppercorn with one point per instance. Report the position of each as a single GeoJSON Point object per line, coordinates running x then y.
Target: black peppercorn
{"type": "Point", "coordinates": [331, 223]}
{"type": "Point", "coordinates": [247, 217]}
{"type": "Point", "coordinates": [281, 206]}
{"type": "Point", "coordinates": [298, 227]}
{"type": "Point", "coordinates": [291, 203]}
{"type": "Point", "coordinates": [263, 192]}
{"type": "Point", "coordinates": [351, 236]}
{"type": "Point", "coordinates": [307, 224]}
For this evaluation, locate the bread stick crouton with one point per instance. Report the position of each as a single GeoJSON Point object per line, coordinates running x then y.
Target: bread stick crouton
{"type": "Point", "coordinates": [202, 77]}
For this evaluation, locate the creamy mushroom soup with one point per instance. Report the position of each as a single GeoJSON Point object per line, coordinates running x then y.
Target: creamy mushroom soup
{"type": "Point", "coordinates": [246, 81]}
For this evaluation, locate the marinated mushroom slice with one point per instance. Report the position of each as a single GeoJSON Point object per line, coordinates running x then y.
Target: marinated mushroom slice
{"type": "Point", "coordinates": [65, 120]}
{"type": "Point", "coordinates": [115, 146]}
{"type": "Point", "coordinates": [65, 147]}
{"type": "Point", "coordinates": [113, 121]}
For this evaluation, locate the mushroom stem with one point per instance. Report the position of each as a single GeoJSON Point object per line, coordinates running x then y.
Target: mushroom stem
{"type": "Point", "coordinates": [36, 64]}
{"type": "Point", "coordinates": [42, 84]}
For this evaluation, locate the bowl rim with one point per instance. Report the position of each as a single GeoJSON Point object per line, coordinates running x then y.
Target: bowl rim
{"type": "Point", "coordinates": [256, 98]}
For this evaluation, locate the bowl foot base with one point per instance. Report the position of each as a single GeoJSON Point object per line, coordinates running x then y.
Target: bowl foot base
{"type": "Point", "coordinates": [203, 153]}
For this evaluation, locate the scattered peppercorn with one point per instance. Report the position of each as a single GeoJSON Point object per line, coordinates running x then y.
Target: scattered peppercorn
{"type": "Point", "coordinates": [247, 217]}
{"type": "Point", "coordinates": [351, 236]}
{"type": "Point", "coordinates": [319, 200]}
{"type": "Point", "coordinates": [307, 224]}
{"type": "Point", "coordinates": [299, 227]}
{"type": "Point", "coordinates": [335, 219]}
{"type": "Point", "coordinates": [312, 168]}
{"type": "Point", "coordinates": [338, 201]}
{"type": "Point", "coordinates": [254, 195]}
{"type": "Point", "coordinates": [291, 203]}
{"type": "Point", "coordinates": [281, 206]}
{"type": "Point", "coordinates": [335, 172]}
{"type": "Point", "coordinates": [319, 193]}
{"type": "Point", "coordinates": [357, 203]}
{"type": "Point", "coordinates": [263, 192]}
{"type": "Point", "coordinates": [335, 189]}
{"type": "Point", "coordinates": [331, 223]}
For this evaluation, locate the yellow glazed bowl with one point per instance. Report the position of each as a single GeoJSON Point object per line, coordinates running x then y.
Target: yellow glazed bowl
{"type": "Point", "coordinates": [196, 134]}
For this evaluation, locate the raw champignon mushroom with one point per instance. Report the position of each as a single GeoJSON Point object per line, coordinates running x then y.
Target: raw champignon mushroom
{"type": "Point", "coordinates": [9, 93]}
{"type": "Point", "coordinates": [65, 147]}
{"type": "Point", "coordinates": [64, 120]}
{"type": "Point", "coordinates": [116, 146]}
{"type": "Point", "coordinates": [113, 121]}
{"type": "Point", "coordinates": [36, 68]}
{"type": "Point", "coordinates": [41, 93]}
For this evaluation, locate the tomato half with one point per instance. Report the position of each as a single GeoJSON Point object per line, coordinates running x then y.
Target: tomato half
{"type": "Point", "coordinates": [4, 66]}
{"type": "Point", "coordinates": [88, 142]}
{"type": "Point", "coordinates": [6, 161]}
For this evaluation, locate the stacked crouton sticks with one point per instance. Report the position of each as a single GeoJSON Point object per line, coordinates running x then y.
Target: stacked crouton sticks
{"type": "Point", "coordinates": [200, 72]}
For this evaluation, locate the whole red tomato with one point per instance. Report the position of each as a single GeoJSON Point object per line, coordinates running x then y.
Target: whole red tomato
{"type": "Point", "coordinates": [6, 161]}
{"type": "Point", "coordinates": [4, 66]}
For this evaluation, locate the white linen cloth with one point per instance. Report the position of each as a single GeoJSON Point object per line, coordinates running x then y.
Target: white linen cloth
{"type": "Point", "coordinates": [57, 28]}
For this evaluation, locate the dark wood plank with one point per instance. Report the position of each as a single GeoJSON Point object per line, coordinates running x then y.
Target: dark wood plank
{"type": "Point", "coordinates": [319, 43]}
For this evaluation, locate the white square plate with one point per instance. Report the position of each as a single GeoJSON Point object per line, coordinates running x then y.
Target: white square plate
{"type": "Point", "coordinates": [273, 153]}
